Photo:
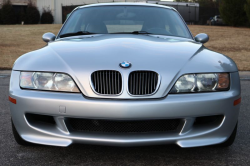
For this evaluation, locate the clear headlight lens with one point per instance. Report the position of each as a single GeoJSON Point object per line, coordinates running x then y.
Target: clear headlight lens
{"type": "Point", "coordinates": [206, 82]}
{"type": "Point", "coordinates": [192, 83]}
{"type": "Point", "coordinates": [47, 81]}
{"type": "Point", "coordinates": [186, 83]}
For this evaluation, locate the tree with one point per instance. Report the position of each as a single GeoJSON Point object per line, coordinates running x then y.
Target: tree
{"type": "Point", "coordinates": [47, 17]}
{"type": "Point", "coordinates": [32, 15]}
{"type": "Point", "coordinates": [1, 17]}
{"type": "Point", "coordinates": [232, 12]}
{"type": "Point", "coordinates": [247, 10]}
{"type": "Point", "coordinates": [20, 16]}
{"type": "Point", "coordinates": [7, 13]}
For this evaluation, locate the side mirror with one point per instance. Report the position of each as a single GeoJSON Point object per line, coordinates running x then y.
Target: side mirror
{"type": "Point", "coordinates": [48, 37]}
{"type": "Point", "coordinates": [202, 38]}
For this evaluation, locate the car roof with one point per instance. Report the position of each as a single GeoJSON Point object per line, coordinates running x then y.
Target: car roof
{"type": "Point", "coordinates": [126, 4]}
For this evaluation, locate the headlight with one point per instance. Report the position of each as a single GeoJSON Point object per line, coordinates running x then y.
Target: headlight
{"type": "Point", "coordinates": [47, 81]}
{"type": "Point", "coordinates": [191, 83]}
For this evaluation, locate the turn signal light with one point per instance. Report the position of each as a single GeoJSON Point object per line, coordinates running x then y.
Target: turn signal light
{"type": "Point", "coordinates": [12, 100]}
{"type": "Point", "coordinates": [238, 101]}
{"type": "Point", "coordinates": [223, 81]}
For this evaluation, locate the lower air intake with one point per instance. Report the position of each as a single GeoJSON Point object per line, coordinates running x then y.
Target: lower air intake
{"type": "Point", "coordinates": [131, 126]}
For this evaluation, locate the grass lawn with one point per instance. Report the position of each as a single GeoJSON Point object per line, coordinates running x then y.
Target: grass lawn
{"type": "Point", "coordinates": [16, 40]}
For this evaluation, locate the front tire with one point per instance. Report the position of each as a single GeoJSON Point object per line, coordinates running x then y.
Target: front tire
{"type": "Point", "coordinates": [17, 137]}
{"type": "Point", "coordinates": [231, 139]}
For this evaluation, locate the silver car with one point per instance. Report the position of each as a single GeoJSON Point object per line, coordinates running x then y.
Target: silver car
{"type": "Point", "coordinates": [125, 74]}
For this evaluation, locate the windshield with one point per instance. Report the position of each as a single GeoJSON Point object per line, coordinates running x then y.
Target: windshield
{"type": "Point", "coordinates": [125, 19]}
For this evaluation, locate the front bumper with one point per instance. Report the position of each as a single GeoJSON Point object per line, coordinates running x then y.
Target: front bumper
{"type": "Point", "coordinates": [182, 106]}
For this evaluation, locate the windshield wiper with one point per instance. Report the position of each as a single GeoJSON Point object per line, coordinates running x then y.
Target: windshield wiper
{"type": "Point", "coordinates": [134, 32]}
{"type": "Point", "coordinates": [76, 34]}
{"type": "Point", "coordinates": [141, 32]}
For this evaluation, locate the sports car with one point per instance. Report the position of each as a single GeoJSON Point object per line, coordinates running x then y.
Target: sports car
{"type": "Point", "coordinates": [124, 74]}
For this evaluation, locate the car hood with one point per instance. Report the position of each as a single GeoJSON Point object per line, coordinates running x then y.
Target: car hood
{"type": "Point", "coordinates": [170, 57]}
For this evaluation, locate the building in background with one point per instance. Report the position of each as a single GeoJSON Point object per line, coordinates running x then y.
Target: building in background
{"type": "Point", "coordinates": [18, 2]}
{"type": "Point", "coordinates": [61, 8]}
{"type": "Point", "coordinates": [19, 5]}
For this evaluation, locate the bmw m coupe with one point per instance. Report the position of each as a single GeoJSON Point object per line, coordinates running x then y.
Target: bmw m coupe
{"type": "Point", "coordinates": [124, 74]}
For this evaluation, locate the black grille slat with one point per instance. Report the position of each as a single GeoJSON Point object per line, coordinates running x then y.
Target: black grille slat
{"type": "Point", "coordinates": [107, 88]}
{"type": "Point", "coordinates": [107, 82]}
{"type": "Point", "coordinates": [99, 75]}
{"type": "Point", "coordinates": [125, 126]}
{"type": "Point", "coordinates": [95, 79]}
{"type": "Point", "coordinates": [112, 84]}
{"type": "Point", "coordinates": [142, 82]}
{"type": "Point", "coordinates": [118, 83]}
{"type": "Point", "coordinates": [103, 81]}
{"type": "Point", "coordinates": [151, 81]}
{"type": "Point", "coordinates": [137, 78]}
{"type": "Point", "coordinates": [139, 83]}
{"type": "Point", "coordinates": [133, 84]}
{"type": "Point", "coordinates": [148, 83]}
{"type": "Point", "coordinates": [155, 81]}
{"type": "Point", "coordinates": [115, 85]}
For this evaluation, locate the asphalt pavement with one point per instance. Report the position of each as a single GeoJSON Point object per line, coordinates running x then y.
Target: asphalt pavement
{"type": "Point", "coordinates": [13, 154]}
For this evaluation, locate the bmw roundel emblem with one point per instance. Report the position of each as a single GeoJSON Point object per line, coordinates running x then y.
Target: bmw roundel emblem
{"type": "Point", "coordinates": [125, 64]}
